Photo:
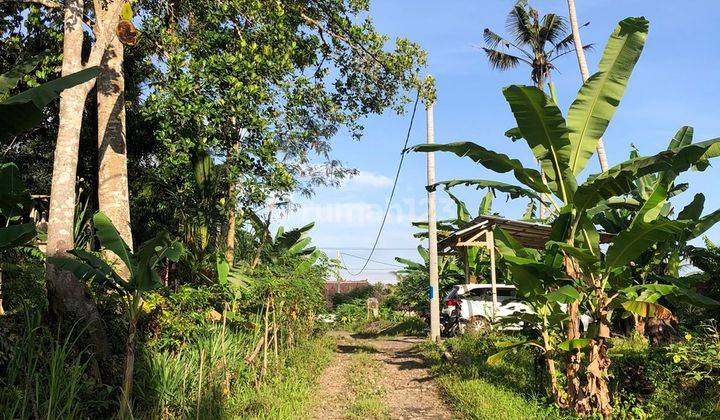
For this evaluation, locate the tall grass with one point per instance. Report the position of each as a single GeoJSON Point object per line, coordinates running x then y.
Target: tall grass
{"type": "Point", "coordinates": [204, 381]}
{"type": "Point", "coordinates": [44, 377]}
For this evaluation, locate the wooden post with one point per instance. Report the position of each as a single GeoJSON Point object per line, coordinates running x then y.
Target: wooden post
{"type": "Point", "coordinates": [490, 243]}
{"type": "Point", "coordinates": [463, 251]}
{"type": "Point", "coordinates": [432, 232]}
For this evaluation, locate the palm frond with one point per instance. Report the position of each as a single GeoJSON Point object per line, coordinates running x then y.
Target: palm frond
{"type": "Point", "coordinates": [519, 25]}
{"type": "Point", "coordinates": [565, 44]}
{"type": "Point", "coordinates": [501, 60]}
{"type": "Point", "coordinates": [492, 40]}
{"type": "Point", "coordinates": [552, 29]}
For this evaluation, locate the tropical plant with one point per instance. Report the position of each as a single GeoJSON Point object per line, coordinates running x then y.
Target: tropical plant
{"type": "Point", "coordinates": [536, 41]}
{"type": "Point", "coordinates": [14, 202]}
{"type": "Point", "coordinates": [19, 113]}
{"type": "Point", "coordinates": [573, 256]}
{"type": "Point", "coordinates": [142, 266]}
{"type": "Point", "coordinates": [413, 280]}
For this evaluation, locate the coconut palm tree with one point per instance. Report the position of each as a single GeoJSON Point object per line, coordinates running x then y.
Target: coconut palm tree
{"type": "Point", "coordinates": [582, 63]}
{"type": "Point", "coordinates": [534, 40]}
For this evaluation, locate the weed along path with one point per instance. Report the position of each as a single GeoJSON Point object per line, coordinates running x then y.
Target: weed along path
{"type": "Point", "coordinates": [378, 378]}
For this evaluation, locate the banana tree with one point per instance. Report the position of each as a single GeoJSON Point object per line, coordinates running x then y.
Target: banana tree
{"type": "Point", "coordinates": [14, 202]}
{"type": "Point", "coordinates": [662, 260]}
{"type": "Point", "coordinates": [573, 255]}
{"type": "Point", "coordinates": [413, 278]}
{"type": "Point", "coordinates": [143, 266]}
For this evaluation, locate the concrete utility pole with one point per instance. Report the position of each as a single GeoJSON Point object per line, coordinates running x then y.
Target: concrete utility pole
{"type": "Point", "coordinates": [432, 232]}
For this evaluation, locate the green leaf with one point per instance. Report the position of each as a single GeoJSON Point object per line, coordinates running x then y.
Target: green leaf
{"type": "Point", "coordinates": [497, 358]}
{"type": "Point", "coordinates": [646, 309]}
{"type": "Point", "coordinates": [81, 270]}
{"type": "Point", "coordinates": [16, 235]}
{"type": "Point", "coordinates": [683, 137]}
{"type": "Point", "coordinates": [108, 273]}
{"type": "Point", "coordinates": [566, 294]}
{"type": "Point", "coordinates": [24, 111]}
{"type": "Point", "coordinates": [486, 204]}
{"type": "Point", "coordinates": [463, 215]}
{"type": "Point", "coordinates": [529, 213]}
{"type": "Point", "coordinates": [111, 240]}
{"type": "Point", "coordinates": [10, 79]}
{"type": "Point", "coordinates": [583, 255]}
{"type": "Point", "coordinates": [126, 12]}
{"type": "Point", "coordinates": [305, 265]}
{"type": "Point", "coordinates": [574, 344]}
{"type": "Point", "coordinates": [543, 127]}
{"type": "Point", "coordinates": [14, 197]}
{"type": "Point", "coordinates": [619, 180]}
{"type": "Point", "coordinates": [513, 134]}
{"type": "Point", "coordinates": [705, 223]}
{"type": "Point", "coordinates": [299, 246]}
{"type": "Point", "coordinates": [599, 97]}
{"type": "Point", "coordinates": [223, 269]}
{"type": "Point", "coordinates": [694, 210]}
{"type": "Point", "coordinates": [507, 245]}
{"type": "Point", "coordinates": [513, 191]}
{"type": "Point", "coordinates": [494, 161]}
{"type": "Point", "coordinates": [630, 243]}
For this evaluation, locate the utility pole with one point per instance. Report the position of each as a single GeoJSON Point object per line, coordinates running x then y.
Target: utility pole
{"type": "Point", "coordinates": [432, 232]}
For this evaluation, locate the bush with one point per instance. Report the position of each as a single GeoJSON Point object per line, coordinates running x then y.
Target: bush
{"type": "Point", "coordinates": [356, 294]}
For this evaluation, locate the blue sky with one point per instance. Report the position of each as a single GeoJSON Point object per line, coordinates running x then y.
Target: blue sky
{"type": "Point", "coordinates": [674, 84]}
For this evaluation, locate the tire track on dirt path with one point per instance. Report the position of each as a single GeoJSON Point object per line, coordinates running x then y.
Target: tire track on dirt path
{"type": "Point", "coordinates": [409, 390]}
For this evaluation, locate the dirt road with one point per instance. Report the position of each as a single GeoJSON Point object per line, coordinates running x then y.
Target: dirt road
{"type": "Point", "coordinates": [378, 378]}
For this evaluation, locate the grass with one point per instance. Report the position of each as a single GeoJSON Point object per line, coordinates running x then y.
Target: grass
{"type": "Point", "coordinates": [480, 399]}
{"type": "Point", "coordinates": [195, 383]}
{"type": "Point", "coordinates": [364, 382]}
{"type": "Point", "coordinates": [475, 390]}
{"type": "Point", "coordinates": [288, 395]}
{"type": "Point", "coordinates": [412, 326]}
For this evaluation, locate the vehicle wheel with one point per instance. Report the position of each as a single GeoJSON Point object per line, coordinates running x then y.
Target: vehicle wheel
{"type": "Point", "coordinates": [476, 325]}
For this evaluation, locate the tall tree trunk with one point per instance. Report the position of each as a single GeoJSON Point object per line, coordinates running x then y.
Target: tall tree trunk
{"type": "Point", "coordinates": [113, 195]}
{"type": "Point", "coordinates": [582, 63]}
{"type": "Point", "coordinates": [230, 238]}
{"type": "Point", "coordinates": [67, 296]}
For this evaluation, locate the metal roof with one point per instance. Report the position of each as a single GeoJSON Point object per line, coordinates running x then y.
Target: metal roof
{"type": "Point", "coordinates": [528, 234]}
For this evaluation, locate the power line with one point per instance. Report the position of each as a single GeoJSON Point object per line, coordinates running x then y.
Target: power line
{"type": "Point", "coordinates": [392, 192]}
{"type": "Point", "coordinates": [375, 261]}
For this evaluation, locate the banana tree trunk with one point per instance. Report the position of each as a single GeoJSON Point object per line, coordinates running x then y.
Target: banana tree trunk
{"type": "Point", "coordinates": [639, 325]}
{"type": "Point", "coordinates": [594, 395]}
{"type": "Point", "coordinates": [582, 63]}
{"type": "Point", "coordinates": [552, 371]}
{"type": "Point", "coordinates": [125, 406]}
{"type": "Point", "coordinates": [113, 195]}
{"type": "Point", "coordinates": [67, 296]}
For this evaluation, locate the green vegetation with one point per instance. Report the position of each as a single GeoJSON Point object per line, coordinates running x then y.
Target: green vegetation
{"type": "Point", "coordinates": [363, 379]}
{"type": "Point", "coordinates": [150, 284]}
{"type": "Point", "coordinates": [646, 382]}
{"type": "Point", "coordinates": [572, 275]}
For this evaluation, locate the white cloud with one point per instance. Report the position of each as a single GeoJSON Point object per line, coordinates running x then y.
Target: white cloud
{"type": "Point", "coordinates": [370, 179]}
